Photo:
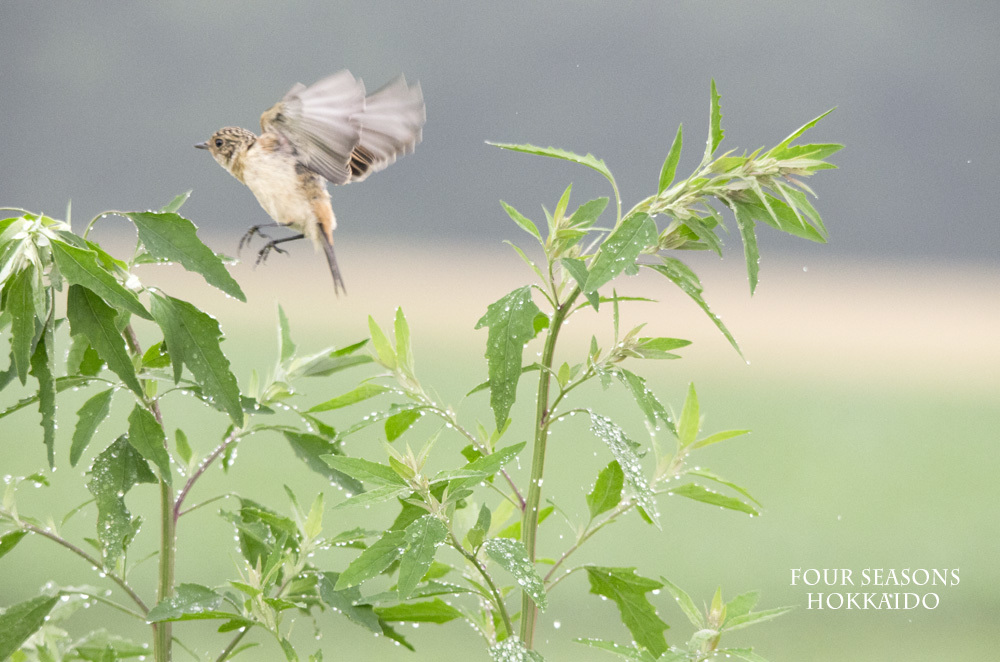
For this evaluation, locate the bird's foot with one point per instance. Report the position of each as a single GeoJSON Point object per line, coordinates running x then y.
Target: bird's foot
{"type": "Point", "coordinates": [245, 240]}
{"type": "Point", "coordinates": [272, 245]}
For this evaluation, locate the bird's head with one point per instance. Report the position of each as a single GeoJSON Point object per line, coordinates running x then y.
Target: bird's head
{"type": "Point", "coordinates": [227, 144]}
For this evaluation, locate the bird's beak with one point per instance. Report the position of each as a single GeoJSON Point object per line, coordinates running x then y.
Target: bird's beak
{"type": "Point", "coordinates": [203, 145]}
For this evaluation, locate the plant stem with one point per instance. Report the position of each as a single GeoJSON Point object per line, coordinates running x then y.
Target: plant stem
{"type": "Point", "coordinates": [232, 644]}
{"type": "Point", "coordinates": [497, 596]}
{"type": "Point", "coordinates": [529, 522]}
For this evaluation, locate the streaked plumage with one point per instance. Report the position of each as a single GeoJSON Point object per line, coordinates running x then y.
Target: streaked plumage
{"type": "Point", "coordinates": [329, 130]}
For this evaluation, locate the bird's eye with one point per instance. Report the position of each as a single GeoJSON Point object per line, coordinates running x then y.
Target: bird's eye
{"type": "Point", "coordinates": [218, 142]}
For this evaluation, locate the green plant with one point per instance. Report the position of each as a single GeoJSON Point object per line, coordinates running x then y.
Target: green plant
{"type": "Point", "coordinates": [460, 534]}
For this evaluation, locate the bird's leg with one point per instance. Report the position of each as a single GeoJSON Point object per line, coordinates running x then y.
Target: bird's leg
{"type": "Point", "coordinates": [273, 245]}
{"type": "Point", "coordinates": [255, 230]}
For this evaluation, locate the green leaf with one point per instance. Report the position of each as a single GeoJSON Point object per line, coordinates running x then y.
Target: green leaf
{"type": "Point", "coordinates": [9, 540]}
{"type": "Point", "coordinates": [311, 448]}
{"type": "Point", "coordinates": [607, 492]}
{"type": "Point", "coordinates": [622, 448]}
{"type": "Point", "coordinates": [114, 472]}
{"type": "Point", "coordinates": [741, 605]}
{"type": "Point", "coordinates": [183, 448]}
{"type": "Point", "coordinates": [577, 268]}
{"type": "Point", "coordinates": [428, 611]}
{"type": "Point", "coordinates": [705, 473]}
{"type": "Point", "coordinates": [373, 560]}
{"type": "Point", "coordinates": [717, 437]}
{"type": "Point", "coordinates": [328, 362]}
{"type": "Point", "coordinates": [752, 618]}
{"type": "Point", "coordinates": [745, 654]}
{"type": "Point", "coordinates": [589, 160]}
{"type": "Point", "coordinates": [690, 422]}
{"type": "Point", "coordinates": [20, 621]}
{"type": "Point", "coordinates": [511, 322]}
{"type": "Point", "coordinates": [628, 591]}
{"type": "Point", "coordinates": [682, 276]}
{"type": "Point", "coordinates": [363, 392]}
{"type": "Point", "coordinates": [422, 539]}
{"type": "Point", "coordinates": [404, 352]}
{"type": "Point", "coordinates": [146, 436]}
{"type": "Point", "coordinates": [699, 493]}
{"type": "Point", "coordinates": [778, 150]}
{"type": "Point", "coordinates": [588, 213]}
{"type": "Point", "coordinates": [481, 468]}
{"type": "Point", "coordinates": [744, 220]}
{"type": "Point", "coordinates": [89, 416]}
{"type": "Point", "coordinates": [383, 348]}
{"type": "Point", "coordinates": [42, 367]}
{"type": "Point", "coordinates": [191, 602]}
{"type": "Point", "coordinates": [522, 221]}
{"type": "Point", "coordinates": [650, 406]}
{"type": "Point", "coordinates": [621, 249]}
{"type": "Point", "coordinates": [97, 321]}
{"type": "Point", "coordinates": [715, 124]}
{"type": "Point", "coordinates": [347, 602]}
{"type": "Point", "coordinates": [625, 652]}
{"type": "Point", "coordinates": [364, 470]}
{"type": "Point", "coordinates": [286, 348]}
{"type": "Point", "coordinates": [686, 604]}
{"type": "Point", "coordinates": [399, 423]}
{"type": "Point", "coordinates": [511, 555]}
{"type": "Point", "coordinates": [79, 266]}
{"type": "Point", "coordinates": [513, 649]}
{"type": "Point", "coordinates": [669, 168]}
{"type": "Point", "coordinates": [193, 338]}
{"type": "Point", "coordinates": [156, 356]}
{"type": "Point", "coordinates": [18, 299]}
{"type": "Point", "coordinates": [660, 348]}
{"type": "Point", "coordinates": [174, 204]}
{"type": "Point", "coordinates": [168, 236]}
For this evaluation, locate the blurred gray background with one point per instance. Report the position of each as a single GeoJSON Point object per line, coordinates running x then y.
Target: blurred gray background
{"type": "Point", "coordinates": [102, 102]}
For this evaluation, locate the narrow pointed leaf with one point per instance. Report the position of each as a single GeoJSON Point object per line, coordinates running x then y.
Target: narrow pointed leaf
{"type": "Point", "coordinates": [173, 205]}
{"type": "Point", "coordinates": [588, 213]}
{"type": "Point", "coordinates": [373, 560]}
{"type": "Point", "coordinates": [422, 539]}
{"type": "Point", "coordinates": [669, 169]}
{"type": "Point", "coordinates": [622, 448]}
{"type": "Point", "coordinates": [690, 422]}
{"type": "Point", "coordinates": [628, 591]}
{"type": "Point", "coordinates": [20, 621]}
{"type": "Point", "coordinates": [168, 236]}
{"type": "Point", "coordinates": [699, 493]}
{"type": "Point", "coordinates": [777, 150]}
{"type": "Point", "coordinates": [383, 348]}
{"type": "Point", "coordinates": [705, 473]}
{"type": "Point", "coordinates": [577, 268]}
{"type": "Point", "coordinates": [643, 397]}
{"type": "Point", "coordinates": [347, 601]}
{"type": "Point", "coordinates": [746, 620]}
{"type": "Point", "coordinates": [191, 601]}
{"type": "Point", "coordinates": [686, 604]}
{"type": "Point", "coordinates": [42, 368]}
{"type": "Point", "coordinates": [511, 322]}
{"type": "Point", "coordinates": [624, 652]}
{"type": "Point", "coordinates": [19, 304]}
{"type": "Point", "coordinates": [621, 249]}
{"type": "Point", "coordinates": [193, 338]}
{"type": "Point", "coordinates": [522, 221]}
{"type": "Point", "coordinates": [363, 392]}
{"type": "Point", "coordinates": [511, 555]}
{"type": "Point", "coordinates": [89, 416]}
{"type": "Point", "coordinates": [589, 160]}
{"type": "Point", "coordinates": [147, 436]}
{"type": "Point", "coordinates": [719, 436]}
{"type": "Point", "coordinates": [745, 223]}
{"type": "Point", "coordinates": [399, 423]}
{"type": "Point", "coordinates": [428, 611]}
{"type": "Point", "coordinates": [90, 316]}
{"type": "Point", "coordinates": [364, 470]}
{"type": "Point", "coordinates": [9, 540]}
{"type": "Point", "coordinates": [715, 124]}
{"type": "Point", "coordinates": [80, 267]}
{"type": "Point", "coordinates": [311, 449]}
{"type": "Point", "coordinates": [286, 348]}
{"type": "Point", "coordinates": [404, 352]}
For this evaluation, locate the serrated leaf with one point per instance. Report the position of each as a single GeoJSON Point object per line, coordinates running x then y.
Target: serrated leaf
{"type": "Point", "coordinates": [399, 423]}
{"type": "Point", "coordinates": [607, 492]}
{"type": "Point", "coordinates": [669, 168]}
{"type": "Point", "coordinates": [190, 602]}
{"type": "Point", "coordinates": [621, 249]}
{"type": "Point", "coordinates": [511, 555]}
{"type": "Point", "coordinates": [422, 539]}
{"type": "Point", "coordinates": [359, 394]}
{"type": "Point", "coordinates": [90, 316]}
{"type": "Point", "coordinates": [18, 299]}
{"type": "Point", "coordinates": [286, 348]}
{"type": "Point", "coordinates": [311, 448]}
{"type": "Point", "coordinates": [745, 223]}
{"type": "Point", "coordinates": [146, 435]}
{"type": "Point", "coordinates": [347, 601]}
{"type": "Point", "coordinates": [622, 448]}
{"type": "Point", "coordinates": [752, 618]}
{"type": "Point", "coordinates": [588, 213]}
{"type": "Point", "coordinates": [80, 267]}
{"type": "Point", "coordinates": [628, 591]}
{"type": "Point", "coordinates": [511, 322]}
{"type": "Point", "coordinates": [373, 560]}
{"type": "Point", "coordinates": [168, 236]}
{"type": "Point", "coordinates": [589, 160]}
{"type": "Point", "coordinates": [364, 470]}
{"type": "Point", "coordinates": [89, 416]}
{"type": "Point", "coordinates": [777, 150]}
{"type": "Point", "coordinates": [193, 338]}
{"type": "Point", "coordinates": [686, 604]}
{"type": "Point", "coordinates": [42, 368]}
{"type": "Point", "coordinates": [699, 493]}
{"type": "Point", "coordinates": [522, 221]}
{"type": "Point", "coordinates": [715, 132]}
{"type": "Point", "coordinates": [114, 472]}
{"type": "Point", "coordinates": [9, 540]}
{"type": "Point", "coordinates": [682, 276]}
{"type": "Point", "coordinates": [428, 611]}
{"type": "Point", "coordinates": [20, 621]}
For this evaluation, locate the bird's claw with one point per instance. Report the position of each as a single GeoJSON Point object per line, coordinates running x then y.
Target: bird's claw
{"type": "Point", "coordinates": [266, 250]}
{"type": "Point", "coordinates": [245, 240]}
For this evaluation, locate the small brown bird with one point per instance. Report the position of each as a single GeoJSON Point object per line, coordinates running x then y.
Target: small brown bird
{"type": "Point", "coordinates": [330, 131]}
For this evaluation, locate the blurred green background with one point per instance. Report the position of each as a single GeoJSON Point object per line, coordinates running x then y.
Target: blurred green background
{"type": "Point", "coordinates": [872, 389]}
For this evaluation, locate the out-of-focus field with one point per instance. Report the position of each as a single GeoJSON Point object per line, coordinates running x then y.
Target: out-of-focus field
{"type": "Point", "coordinates": [873, 393]}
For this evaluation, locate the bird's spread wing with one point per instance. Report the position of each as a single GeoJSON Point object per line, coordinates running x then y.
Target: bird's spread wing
{"type": "Point", "coordinates": [322, 123]}
{"type": "Point", "coordinates": [341, 135]}
{"type": "Point", "coordinates": [391, 126]}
